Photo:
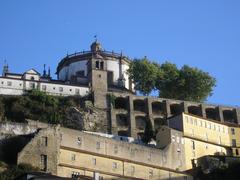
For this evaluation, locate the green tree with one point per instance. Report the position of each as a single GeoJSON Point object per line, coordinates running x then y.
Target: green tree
{"type": "Point", "coordinates": [148, 132]}
{"type": "Point", "coordinates": [14, 171]}
{"type": "Point", "coordinates": [144, 74]}
{"type": "Point", "coordinates": [186, 83]}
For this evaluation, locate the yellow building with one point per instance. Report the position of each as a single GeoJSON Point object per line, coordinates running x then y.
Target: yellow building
{"type": "Point", "coordinates": [69, 153]}
{"type": "Point", "coordinates": [206, 137]}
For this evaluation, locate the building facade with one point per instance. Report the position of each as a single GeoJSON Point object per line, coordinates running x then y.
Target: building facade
{"type": "Point", "coordinates": [67, 153]}
{"type": "Point", "coordinates": [206, 137]}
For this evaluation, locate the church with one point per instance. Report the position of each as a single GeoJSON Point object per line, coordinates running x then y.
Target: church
{"type": "Point", "coordinates": [77, 74]}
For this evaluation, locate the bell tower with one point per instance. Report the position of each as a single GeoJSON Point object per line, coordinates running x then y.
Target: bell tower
{"type": "Point", "coordinates": [97, 75]}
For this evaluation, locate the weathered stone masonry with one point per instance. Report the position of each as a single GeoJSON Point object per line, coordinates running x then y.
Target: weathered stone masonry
{"type": "Point", "coordinates": [129, 113]}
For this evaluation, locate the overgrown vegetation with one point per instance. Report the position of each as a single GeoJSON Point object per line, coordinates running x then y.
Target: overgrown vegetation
{"type": "Point", "coordinates": [186, 83]}
{"type": "Point", "coordinates": [37, 105]}
{"type": "Point", "coordinates": [221, 173]}
{"type": "Point", "coordinates": [13, 171]}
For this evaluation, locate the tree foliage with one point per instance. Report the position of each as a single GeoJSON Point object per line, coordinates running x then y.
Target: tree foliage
{"type": "Point", "coordinates": [143, 73]}
{"type": "Point", "coordinates": [148, 132]}
{"type": "Point", "coordinates": [186, 83]}
{"type": "Point", "coordinates": [11, 172]}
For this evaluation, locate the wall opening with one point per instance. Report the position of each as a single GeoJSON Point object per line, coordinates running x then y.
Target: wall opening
{"type": "Point", "coordinates": [211, 113]}
{"type": "Point", "coordinates": [230, 116]}
{"type": "Point", "coordinates": [139, 105]}
{"type": "Point", "coordinates": [175, 109]}
{"type": "Point", "coordinates": [157, 108]}
{"type": "Point", "coordinates": [195, 110]}
{"type": "Point", "coordinates": [121, 103]}
{"type": "Point", "coordinates": [158, 122]}
{"type": "Point", "coordinates": [140, 122]}
{"type": "Point", "coordinates": [122, 120]}
{"type": "Point", "coordinates": [123, 133]}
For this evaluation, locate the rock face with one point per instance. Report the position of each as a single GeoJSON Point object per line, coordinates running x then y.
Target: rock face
{"type": "Point", "coordinates": [88, 118]}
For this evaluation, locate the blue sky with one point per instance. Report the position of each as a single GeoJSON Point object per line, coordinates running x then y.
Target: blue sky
{"type": "Point", "coordinates": [203, 34]}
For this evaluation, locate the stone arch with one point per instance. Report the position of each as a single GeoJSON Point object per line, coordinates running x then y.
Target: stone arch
{"type": "Point", "coordinates": [175, 109]}
{"type": "Point", "coordinates": [121, 103]}
{"type": "Point", "coordinates": [158, 108]}
{"type": "Point", "coordinates": [211, 113]}
{"type": "Point", "coordinates": [140, 122]}
{"type": "Point", "coordinates": [139, 105]}
{"type": "Point", "coordinates": [229, 115]}
{"type": "Point", "coordinates": [122, 120]}
{"type": "Point", "coordinates": [195, 110]}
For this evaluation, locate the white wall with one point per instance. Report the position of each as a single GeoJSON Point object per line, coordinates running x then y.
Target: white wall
{"type": "Point", "coordinates": [11, 86]}
{"type": "Point", "coordinates": [17, 87]}
{"type": "Point", "coordinates": [70, 70]}
{"type": "Point", "coordinates": [114, 66]}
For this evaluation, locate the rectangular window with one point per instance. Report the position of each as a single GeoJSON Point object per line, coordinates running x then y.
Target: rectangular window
{"type": "Point", "coordinates": [150, 173]}
{"type": "Point", "coordinates": [75, 174]}
{"type": "Point", "coordinates": [77, 91]}
{"type": "Point", "coordinates": [191, 120]}
{"type": "Point", "coordinates": [44, 87]}
{"type": "Point", "coordinates": [193, 145]}
{"type": "Point", "coordinates": [114, 165]}
{"type": "Point", "coordinates": [9, 83]}
{"type": "Point", "coordinates": [60, 89]}
{"type": "Point", "coordinates": [94, 161]}
{"type": "Point", "coordinates": [195, 122]}
{"type": "Point", "coordinates": [97, 64]}
{"type": "Point", "coordinates": [173, 138]}
{"type": "Point", "coordinates": [237, 152]}
{"type": "Point", "coordinates": [79, 141]}
{"type": "Point", "coordinates": [132, 170]}
{"type": "Point", "coordinates": [101, 65]}
{"type": "Point", "coordinates": [32, 85]}
{"type": "Point", "coordinates": [115, 149]}
{"type": "Point", "coordinates": [73, 157]}
{"type": "Point", "coordinates": [234, 143]}
{"type": "Point", "coordinates": [98, 145]}
{"type": "Point", "coordinates": [233, 131]}
{"type": "Point", "coordinates": [45, 141]}
{"type": "Point", "coordinates": [149, 156]}
{"type": "Point", "coordinates": [43, 161]}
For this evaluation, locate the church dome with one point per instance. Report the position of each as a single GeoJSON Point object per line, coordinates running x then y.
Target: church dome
{"type": "Point", "coordinates": [96, 46]}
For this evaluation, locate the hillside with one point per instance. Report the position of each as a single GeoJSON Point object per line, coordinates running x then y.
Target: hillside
{"type": "Point", "coordinates": [73, 111]}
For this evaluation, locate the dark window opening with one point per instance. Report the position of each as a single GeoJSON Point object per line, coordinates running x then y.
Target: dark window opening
{"type": "Point", "coordinates": [234, 144]}
{"type": "Point", "coordinates": [110, 77]}
{"type": "Point", "coordinates": [121, 103]}
{"type": "Point", "coordinates": [102, 65]}
{"type": "Point", "coordinates": [140, 122]}
{"type": "Point", "coordinates": [80, 73]}
{"type": "Point", "coordinates": [97, 64]}
{"type": "Point", "coordinates": [158, 108]}
{"type": "Point", "coordinates": [122, 120]}
{"type": "Point", "coordinates": [211, 113]}
{"type": "Point", "coordinates": [123, 133]}
{"type": "Point", "coordinates": [158, 122]}
{"type": "Point", "coordinates": [195, 110]}
{"type": "Point", "coordinates": [139, 105]}
{"type": "Point", "coordinates": [176, 109]}
{"type": "Point", "coordinates": [43, 162]}
{"type": "Point", "coordinates": [237, 152]}
{"type": "Point", "coordinates": [229, 116]}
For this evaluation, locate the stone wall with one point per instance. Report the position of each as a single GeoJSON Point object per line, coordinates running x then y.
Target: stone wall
{"type": "Point", "coordinates": [140, 108]}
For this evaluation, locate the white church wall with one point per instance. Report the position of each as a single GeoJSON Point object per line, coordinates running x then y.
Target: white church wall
{"type": "Point", "coordinates": [63, 90]}
{"type": "Point", "coordinates": [17, 87]}
{"type": "Point", "coordinates": [77, 66]}
{"type": "Point", "coordinates": [113, 66]}
{"type": "Point", "coordinates": [11, 86]}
